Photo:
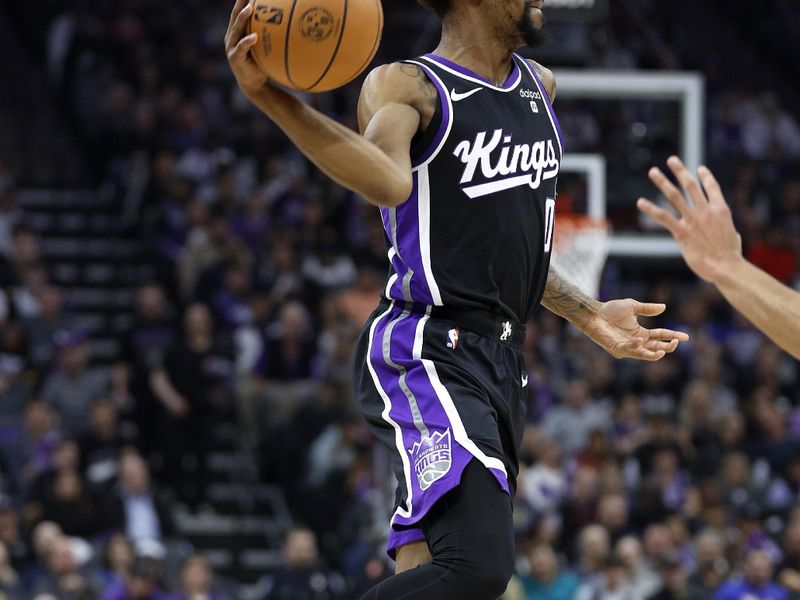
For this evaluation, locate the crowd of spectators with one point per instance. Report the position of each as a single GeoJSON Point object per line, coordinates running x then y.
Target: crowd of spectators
{"type": "Point", "coordinates": [676, 479]}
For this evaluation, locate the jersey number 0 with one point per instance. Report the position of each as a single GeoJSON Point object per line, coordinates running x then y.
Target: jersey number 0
{"type": "Point", "coordinates": [549, 222]}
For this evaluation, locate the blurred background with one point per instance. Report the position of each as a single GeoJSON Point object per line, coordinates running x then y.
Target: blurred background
{"type": "Point", "coordinates": [180, 291]}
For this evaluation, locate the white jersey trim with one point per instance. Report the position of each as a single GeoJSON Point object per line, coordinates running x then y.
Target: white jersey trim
{"type": "Point", "coordinates": [511, 87]}
{"type": "Point", "coordinates": [424, 219]}
{"type": "Point", "coordinates": [546, 102]}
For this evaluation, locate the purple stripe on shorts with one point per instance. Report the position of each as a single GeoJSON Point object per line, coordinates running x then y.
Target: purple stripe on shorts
{"type": "Point", "coordinates": [451, 458]}
{"type": "Point", "coordinates": [400, 538]}
{"type": "Point", "coordinates": [511, 80]}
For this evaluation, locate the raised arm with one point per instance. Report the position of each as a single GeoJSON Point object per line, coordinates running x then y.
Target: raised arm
{"type": "Point", "coordinates": [613, 325]}
{"type": "Point", "coordinates": [377, 166]}
{"type": "Point", "coordinates": [713, 249]}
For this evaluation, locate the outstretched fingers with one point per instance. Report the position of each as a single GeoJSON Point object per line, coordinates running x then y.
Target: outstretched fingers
{"type": "Point", "coordinates": [661, 216]}
{"type": "Point", "coordinates": [712, 187]}
{"type": "Point", "coordinates": [667, 334]}
{"type": "Point", "coordinates": [671, 193]}
{"type": "Point", "coordinates": [688, 182]}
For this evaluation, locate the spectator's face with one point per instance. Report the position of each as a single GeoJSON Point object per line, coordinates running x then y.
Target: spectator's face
{"type": "Point", "coordinates": [551, 454]}
{"type": "Point", "coordinates": [140, 588]}
{"type": "Point", "coordinates": [758, 569]}
{"type": "Point", "coordinates": [74, 359]}
{"type": "Point", "coordinates": [68, 487]}
{"type": "Point", "coordinates": [4, 563]}
{"type": "Point", "coordinates": [731, 430]}
{"type": "Point", "coordinates": [543, 563]}
{"type": "Point", "coordinates": [791, 540]}
{"type": "Point", "coordinates": [237, 280]}
{"type": "Point", "coordinates": [615, 577]}
{"type": "Point", "coordinates": [584, 486]}
{"type": "Point", "coordinates": [50, 302]}
{"type": "Point", "coordinates": [300, 549]}
{"type": "Point", "coordinates": [665, 463]}
{"type": "Point", "coordinates": [134, 476]}
{"type": "Point", "coordinates": [37, 419]}
{"type": "Point", "coordinates": [736, 471]}
{"type": "Point", "coordinates": [577, 394]}
{"type": "Point", "coordinates": [629, 411]}
{"type": "Point", "coordinates": [150, 302]}
{"type": "Point", "coordinates": [709, 548]}
{"type": "Point", "coordinates": [9, 526]}
{"type": "Point", "coordinates": [675, 578]}
{"type": "Point", "coordinates": [293, 319]}
{"type": "Point", "coordinates": [66, 456]}
{"type": "Point", "coordinates": [613, 513]}
{"type": "Point", "coordinates": [120, 554]}
{"type": "Point", "coordinates": [198, 320]}
{"type": "Point", "coordinates": [104, 417]}
{"type": "Point", "coordinates": [594, 546]}
{"type": "Point", "coordinates": [61, 560]}
{"type": "Point", "coordinates": [630, 552]}
{"type": "Point", "coordinates": [196, 576]}
{"type": "Point", "coordinates": [657, 541]}
{"type": "Point", "coordinates": [45, 537]}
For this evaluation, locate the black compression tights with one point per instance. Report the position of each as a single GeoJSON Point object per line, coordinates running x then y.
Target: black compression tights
{"type": "Point", "coordinates": [471, 538]}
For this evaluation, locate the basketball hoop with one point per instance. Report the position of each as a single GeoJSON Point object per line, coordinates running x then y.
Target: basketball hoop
{"type": "Point", "coordinates": [580, 249]}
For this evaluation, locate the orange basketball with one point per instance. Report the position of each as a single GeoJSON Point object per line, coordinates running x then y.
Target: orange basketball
{"type": "Point", "coordinates": [315, 45]}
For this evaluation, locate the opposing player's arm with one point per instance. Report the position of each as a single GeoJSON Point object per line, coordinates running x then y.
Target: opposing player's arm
{"type": "Point", "coordinates": [375, 166]}
{"type": "Point", "coordinates": [547, 78]}
{"type": "Point", "coordinates": [613, 325]}
{"type": "Point", "coordinates": [712, 248]}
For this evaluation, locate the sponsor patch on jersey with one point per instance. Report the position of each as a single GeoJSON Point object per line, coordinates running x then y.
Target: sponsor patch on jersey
{"type": "Point", "coordinates": [452, 338]}
{"type": "Point", "coordinates": [433, 457]}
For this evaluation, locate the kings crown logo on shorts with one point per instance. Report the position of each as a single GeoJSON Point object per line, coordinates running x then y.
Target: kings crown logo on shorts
{"type": "Point", "coordinates": [432, 457]}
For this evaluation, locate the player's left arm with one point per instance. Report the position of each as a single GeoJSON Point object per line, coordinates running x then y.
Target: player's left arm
{"type": "Point", "coordinates": [547, 78]}
{"type": "Point", "coordinates": [613, 325]}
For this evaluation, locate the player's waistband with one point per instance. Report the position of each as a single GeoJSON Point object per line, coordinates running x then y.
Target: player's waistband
{"type": "Point", "coordinates": [484, 323]}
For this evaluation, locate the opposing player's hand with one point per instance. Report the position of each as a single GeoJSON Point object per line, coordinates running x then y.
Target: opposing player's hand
{"type": "Point", "coordinates": [705, 232]}
{"type": "Point", "coordinates": [615, 327]}
{"type": "Point", "coordinates": [237, 48]}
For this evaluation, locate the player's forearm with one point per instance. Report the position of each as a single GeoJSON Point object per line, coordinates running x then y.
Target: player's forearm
{"type": "Point", "coordinates": [767, 303]}
{"type": "Point", "coordinates": [566, 300]}
{"type": "Point", "coordinates": [341, 153]}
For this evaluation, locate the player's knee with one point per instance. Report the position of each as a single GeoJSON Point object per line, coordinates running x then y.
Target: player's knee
{"type": "Point", "coordinates": [493, 575]}
{"type": "Point", "coordinates": [486, 571]}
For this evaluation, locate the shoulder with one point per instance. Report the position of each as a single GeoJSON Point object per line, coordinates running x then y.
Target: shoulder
{"type": "Point", "coordinates": [400, 83]}
{"type": "Point", "coordinates": [547, 77]}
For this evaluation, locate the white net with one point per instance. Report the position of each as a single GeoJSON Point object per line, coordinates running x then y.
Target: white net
{"type": "Point", "coordinates": [580, 249]}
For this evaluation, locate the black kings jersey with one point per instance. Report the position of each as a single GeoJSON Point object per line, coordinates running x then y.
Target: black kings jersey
{"type": "Point", "coordinates": [476, 231]}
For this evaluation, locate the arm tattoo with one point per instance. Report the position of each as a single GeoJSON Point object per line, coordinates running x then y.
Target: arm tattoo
{"type": "Point", "coordinates": [425, 86]}
{"type": "Point", "coordinates": [566, 300]}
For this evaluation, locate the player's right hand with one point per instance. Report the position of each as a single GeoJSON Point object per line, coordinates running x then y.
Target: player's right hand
{"type": "Point", "coordinates": [705, 232]}
{"type": "Point", "coordinates": [237, 48]}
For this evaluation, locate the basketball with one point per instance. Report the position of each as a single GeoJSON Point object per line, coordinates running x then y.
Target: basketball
{"type": "Point", "coordinates": [315, 45]}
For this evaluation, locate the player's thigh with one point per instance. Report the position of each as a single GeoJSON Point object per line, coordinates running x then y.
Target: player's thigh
{"type": "Point", "coordinates": [412, 555]}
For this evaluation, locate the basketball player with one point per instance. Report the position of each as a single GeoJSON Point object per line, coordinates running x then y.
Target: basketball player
{"type": "Point", "coordinates": [460, 149]}
{"type": "Point", "coordinates": [713, 249]}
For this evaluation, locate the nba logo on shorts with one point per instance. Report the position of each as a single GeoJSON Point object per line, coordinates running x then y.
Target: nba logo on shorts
{"type": "Point", "coordinates": [432, 458]}
{"type": "Point", "coordinates": [452, 339]}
